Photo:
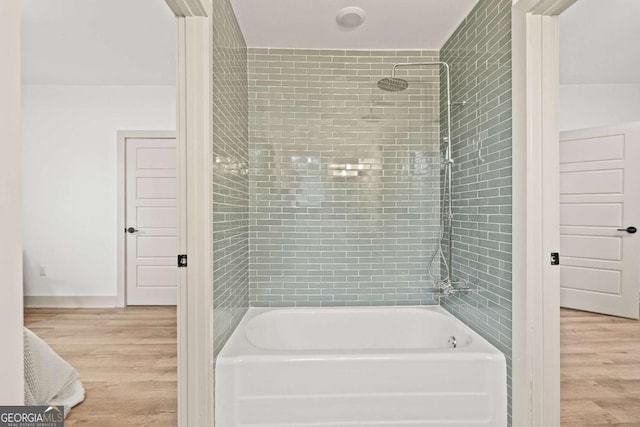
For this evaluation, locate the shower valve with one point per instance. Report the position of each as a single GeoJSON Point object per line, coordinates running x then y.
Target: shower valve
{"type": "Point", "coordinates": [449, 288]}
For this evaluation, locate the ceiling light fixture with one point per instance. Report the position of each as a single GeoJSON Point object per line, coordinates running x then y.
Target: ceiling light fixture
{"type": "Point", "coordinates": [350, 17]}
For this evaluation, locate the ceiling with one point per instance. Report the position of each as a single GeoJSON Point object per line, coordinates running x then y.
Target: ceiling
{"type": "Point", "coordinates": [98, 42]}
{"type": "Point", "coordinates": [125, 42]}
{"type": "Point", "coordinates": [389, 24]}
{"type": "Point", "coordinates": [600, 42]}
{"type": "Point", "coordinates": [132, 42]}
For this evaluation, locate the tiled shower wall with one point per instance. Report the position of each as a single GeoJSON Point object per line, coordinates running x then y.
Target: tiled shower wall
{"type": "Point", "coordinates": [230, 174]}
{"type": "Point", "coordinates": [479, 53]}
{"type": "Point", "coordinates": [344, 178]}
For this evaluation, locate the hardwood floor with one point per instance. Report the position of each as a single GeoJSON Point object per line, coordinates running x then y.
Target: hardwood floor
{"type": "Point", "coordinates": [600, 370]}
{"type": "Point", "coordinates": [127, 359]}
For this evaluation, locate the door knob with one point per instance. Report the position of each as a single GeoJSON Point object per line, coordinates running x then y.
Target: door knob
{"type": "Point", "coordinates": [131, 230]}
{"type": "Point", "coordinates": [629, 230]}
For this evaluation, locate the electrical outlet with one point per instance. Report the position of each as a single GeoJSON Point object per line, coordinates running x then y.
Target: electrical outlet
{"type": "Point", "coordinates": [43, 270]}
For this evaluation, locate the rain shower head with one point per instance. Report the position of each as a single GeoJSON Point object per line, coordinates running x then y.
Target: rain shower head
{"type": "Point", "coordinates": [393, 84]}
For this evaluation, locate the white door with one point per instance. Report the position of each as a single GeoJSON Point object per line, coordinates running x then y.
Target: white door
{"type": "Point", "coordinates": [151, 221]}
{"type": "Point", "coordinates": [599, 200]}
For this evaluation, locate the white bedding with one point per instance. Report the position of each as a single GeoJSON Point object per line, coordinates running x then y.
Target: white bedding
{"type": "Point", "coordinates": [49, 379]}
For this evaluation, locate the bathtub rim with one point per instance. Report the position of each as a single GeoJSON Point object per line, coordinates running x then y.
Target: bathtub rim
{"type": "Point", "coordinates": [238, 349]}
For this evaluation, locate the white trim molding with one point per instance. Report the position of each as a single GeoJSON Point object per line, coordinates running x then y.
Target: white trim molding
{"type": "Point", "coordinates": [190, 8]}
{"type": "Point", "coordinates": [194, 138]}
{"type": "Point", "coordinates": [70, 301]}
{"type": "Point", "coordinates": [195, 293]}
{"type": "Point", "coordinates": [536, 213]}
{"type": "Point", "coordinates": [122, 136]}
{"type": "Point", "coordinates": [11, 279]}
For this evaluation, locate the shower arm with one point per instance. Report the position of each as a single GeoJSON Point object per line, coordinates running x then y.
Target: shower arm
{"type": "Point", "coordinates": [448, 153]}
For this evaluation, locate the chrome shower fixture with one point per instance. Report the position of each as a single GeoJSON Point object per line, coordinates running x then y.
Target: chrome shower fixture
{"type": "Point", "coordinates": [395, 84]}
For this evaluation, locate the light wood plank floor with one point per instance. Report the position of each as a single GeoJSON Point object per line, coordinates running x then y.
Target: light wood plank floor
{"type": "Point", "coordinates": [127, 361]}
{"type": "Point", "coordinates": [600, 370]}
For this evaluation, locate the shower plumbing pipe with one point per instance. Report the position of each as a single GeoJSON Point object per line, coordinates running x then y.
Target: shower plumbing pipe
{"type": "Point", "coordinates": [448, 157]}
{"type": "Point", "coordinates": [447, 217]}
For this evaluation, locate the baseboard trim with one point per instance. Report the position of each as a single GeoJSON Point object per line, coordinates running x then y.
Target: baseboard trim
{"type": "Point", "coordinates": [70, 301]}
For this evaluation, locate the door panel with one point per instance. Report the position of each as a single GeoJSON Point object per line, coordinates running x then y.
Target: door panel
{"type": "Point", "coordinates": [150, 246]}
{"type": "Point", "coordinates": [598, 247]}
{"type": "Point", "coordinates": [600, 193]}
{"type": "Point", "coordinates": [156, 188]}
{"type": "Point", "coordinates": [591, 214]}
{"type": "Point", "coordinates": [156, 157]}
{"type": "Point", "coordinates": [156, 217]}
{"type": "Point", "coordinates": [591, 279]}
{"type": "Point", "coordinates": [591, 148]}
{"type": "Point", "coordinates": [590, 182]}
{"type": "Point", "coordinates": [153, 276]}
{"type": "Point", "coordinates": [151, 209]}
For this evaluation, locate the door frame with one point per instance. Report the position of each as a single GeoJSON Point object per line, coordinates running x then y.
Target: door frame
{"type": "Point", "coordinates": [536, 212]}
{"type": "Point", "coordinates": [11, 304]}
{"type": "Point", "coordinates": [194, 136]}
{"type": "Point", "coordinates": [194, 97]}
{"type": "Point", "coordinates": [123, 136]}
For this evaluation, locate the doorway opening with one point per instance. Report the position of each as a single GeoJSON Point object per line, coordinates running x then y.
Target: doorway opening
{"type": "Point", "coordinates": [537, 204]}
{"type": "Point", "coordinates": [89, 72]}
{"type": "Point", "coordinates": [599, 124]}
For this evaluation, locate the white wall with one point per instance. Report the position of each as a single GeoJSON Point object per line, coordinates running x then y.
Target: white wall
{"type": "Point", "coordinates": [11, 365]}
{"type": "Point", "coordinates": [70, 180]}
{"type": "Point", "coordinates": [593, 105]}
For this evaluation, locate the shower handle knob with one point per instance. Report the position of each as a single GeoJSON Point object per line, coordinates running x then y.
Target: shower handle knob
{"type": "Point", "coordinates": [630, 230]}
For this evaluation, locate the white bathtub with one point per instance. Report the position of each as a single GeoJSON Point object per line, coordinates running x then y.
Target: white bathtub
{"type": "Point", "coordinates": [358, 367]}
